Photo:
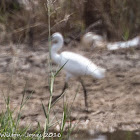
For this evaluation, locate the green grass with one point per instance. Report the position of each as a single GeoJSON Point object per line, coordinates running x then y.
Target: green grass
{"type": "Point", "coordinates": [10, 125]}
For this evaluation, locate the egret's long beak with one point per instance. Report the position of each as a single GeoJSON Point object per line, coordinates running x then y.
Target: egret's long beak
{"type": "Point", "coordinates": [51, 38]}
{"type": "Point", "coordinates": [54, 41]}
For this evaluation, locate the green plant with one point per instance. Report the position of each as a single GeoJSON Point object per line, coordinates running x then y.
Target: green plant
{"type": "Point", "coordinates": [9, 125]}
{"type": "Point", "coordinates": [66, 111]}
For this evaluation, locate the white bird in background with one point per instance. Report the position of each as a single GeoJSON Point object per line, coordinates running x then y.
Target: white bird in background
{"type": "Point", "coordinates": [74, 64]}
{"type": "Point", "coordinates": [93, 40]}
{"type": "Point", "coordinates": [124, 44]}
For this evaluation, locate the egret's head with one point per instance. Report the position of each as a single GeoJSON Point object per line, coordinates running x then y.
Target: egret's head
{"type": "Point", "coordinates": [92, 40]}
{"type": "Point", "coordinates": [87, 40]}
{"type": "Point", "coordinates": [57, 38]}
{"type": "Point", "coordinates": [57, 41]}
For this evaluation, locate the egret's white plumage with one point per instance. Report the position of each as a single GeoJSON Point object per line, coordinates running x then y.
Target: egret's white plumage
{"type": "Point", "coordinates": [93, 40]}
{"type": "Point", "coordinates": [74, 64]}
{"type": "Point", "coordinates": [124, 44]}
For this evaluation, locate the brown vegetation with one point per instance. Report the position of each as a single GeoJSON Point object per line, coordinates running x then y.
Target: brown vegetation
{"type": "Point", "coordinates": [114, 101]}
{"type": "Point", "coordinates": [29, 23]}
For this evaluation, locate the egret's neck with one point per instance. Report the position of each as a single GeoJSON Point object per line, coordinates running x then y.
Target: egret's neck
{"type": "Point", "coordinates": [54, 52]}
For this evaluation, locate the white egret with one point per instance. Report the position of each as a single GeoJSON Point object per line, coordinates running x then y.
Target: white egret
{"type": "Point", "coordinates": [93, 40]}
{"type": "Point", "coordinates": [124, 44]}
{"type": "Point", "coordinates": [74, 64]}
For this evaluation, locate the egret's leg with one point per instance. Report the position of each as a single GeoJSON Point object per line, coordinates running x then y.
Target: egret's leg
{"type": "Point", "coordinates": [85, 93]}
{"type": "Point", "coordinates": [65, 87]}
{"type": "Point", "coordinates": [59, 96]}
{"type": "Point", "coordinates": [68, 75]}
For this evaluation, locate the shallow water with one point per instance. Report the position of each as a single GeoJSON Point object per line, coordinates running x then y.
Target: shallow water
{"type": "Point", "coordinates": [118, 135]}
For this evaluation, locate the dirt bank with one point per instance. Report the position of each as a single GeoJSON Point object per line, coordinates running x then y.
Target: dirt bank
{"type": "Point", "coordinates": [114, 101]}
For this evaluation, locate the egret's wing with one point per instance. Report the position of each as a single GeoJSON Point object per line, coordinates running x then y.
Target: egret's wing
{"type": "Point", "coordinates": [124, 44]}
{"type": "Point", "coordinates": [80, 65]}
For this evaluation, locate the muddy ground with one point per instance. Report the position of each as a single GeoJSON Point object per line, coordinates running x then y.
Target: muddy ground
{"type": "Point", "coordinates": [114, 102]}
